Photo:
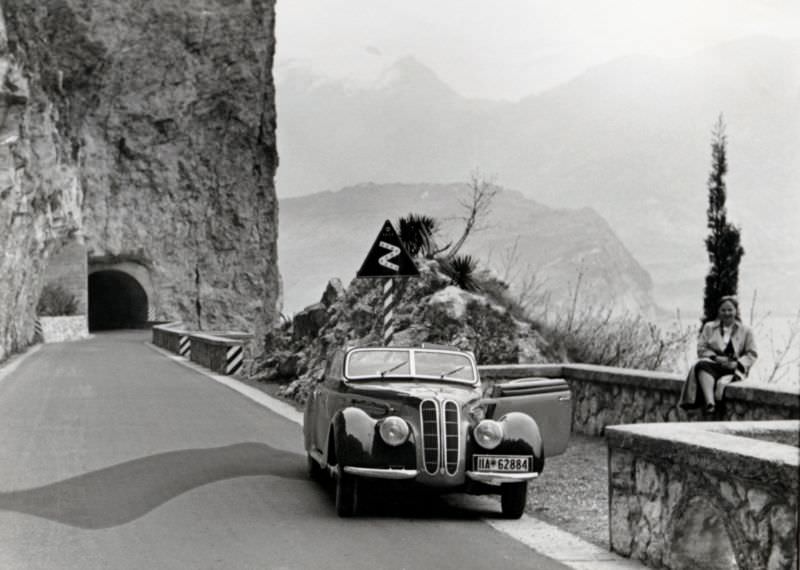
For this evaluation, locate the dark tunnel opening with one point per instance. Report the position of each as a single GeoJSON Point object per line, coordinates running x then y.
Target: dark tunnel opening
{"type": "Point", "coordinates": [116, 301]}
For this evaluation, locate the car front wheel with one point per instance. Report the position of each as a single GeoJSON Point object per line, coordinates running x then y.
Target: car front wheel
{"type": "Point", "coordinates": [346, 494]}
{"type": "Point", "coordinates": [513, 498]}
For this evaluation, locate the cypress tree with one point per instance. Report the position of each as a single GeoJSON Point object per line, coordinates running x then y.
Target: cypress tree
{"type": "Point", "coordinates": [723, 242]}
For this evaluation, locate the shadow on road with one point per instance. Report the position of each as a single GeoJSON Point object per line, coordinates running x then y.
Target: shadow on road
{"type": "Point", "coordinates": [122, 493]}
{"type": "Point", "coordinates": [384, 499]}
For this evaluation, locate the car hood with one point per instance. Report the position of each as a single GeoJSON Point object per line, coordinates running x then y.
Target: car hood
{"type": "Point", "coordinates": [410, 391]}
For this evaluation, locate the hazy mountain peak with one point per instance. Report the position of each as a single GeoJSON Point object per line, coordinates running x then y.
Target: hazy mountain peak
{"type": "Point", "coordinates": [409, 73]}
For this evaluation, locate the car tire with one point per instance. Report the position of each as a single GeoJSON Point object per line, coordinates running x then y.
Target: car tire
{"type": "Point", "coordinates": [513, 499]}
{"type": "Point", "coordinates": [346, 494]}
{"type": "Point", "coordinates": [315, 472]}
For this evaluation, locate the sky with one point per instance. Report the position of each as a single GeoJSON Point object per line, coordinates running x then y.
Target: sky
{"type": "Point", "coordinates": [509, 49]}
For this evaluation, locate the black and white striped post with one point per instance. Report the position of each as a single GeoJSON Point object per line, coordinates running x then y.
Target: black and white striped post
{"type": "Point", "coordinates": [388, 259]}
{"type": "Point", "coordinates": [388, 310]}
{"type": "Point", "coordinates": [185, 346]}
{"type": "Point", "coordinates": [234, 358]}
{"type": "Point", "coordinates": [37, 330]}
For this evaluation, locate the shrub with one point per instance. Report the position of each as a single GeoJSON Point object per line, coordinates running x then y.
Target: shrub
{"type": "Point", "coordinates": [416, 233]}
{"type": "Point", "coordinates": [495, 333]}
{"type": "Point", "coordinates": [461, 270]}
{"type": "Point", "coordinates": [56, 301]}
{"type": "Point", "coordinates": [626, 341]}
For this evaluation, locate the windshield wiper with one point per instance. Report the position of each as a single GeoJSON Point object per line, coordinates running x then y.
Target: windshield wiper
{"type": "Point", "coordinates": [393, 368]}
{"type": "Point", "coordinates": [453, 371]}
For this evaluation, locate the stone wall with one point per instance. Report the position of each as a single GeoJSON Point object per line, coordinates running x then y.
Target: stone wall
{"type": "Point", "coordinates": [705, 495]}
{"type": "Point", "coordinates": [62, 329]}
{"type": "Point", "coordinates": [168, 336]}
{"type": "Point", "coordinates": [216, 350]}
{"type": "Point", "coordinates": [605, 396]}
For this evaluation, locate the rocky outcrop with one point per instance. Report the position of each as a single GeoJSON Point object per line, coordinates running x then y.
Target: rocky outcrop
{"type": "Point", "coordinates": [307, 322]}
{"type": "Point", "coordinates": [40, 195]}
{"type": "Point", "coordinates": [148, 129]}
{"type": "Point", "coordinates": [427, 309]}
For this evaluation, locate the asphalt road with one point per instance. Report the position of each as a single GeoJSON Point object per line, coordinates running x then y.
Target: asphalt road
{"type": "Point", "coordinates": [114, 457]}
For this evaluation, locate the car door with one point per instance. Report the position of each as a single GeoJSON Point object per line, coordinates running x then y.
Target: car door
{"type": "Point", "coordinates": [324, 396]}
{"type": "Point", "coordinates": [547, 400]}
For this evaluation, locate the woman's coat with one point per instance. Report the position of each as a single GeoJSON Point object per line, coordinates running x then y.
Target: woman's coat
{"type": "Point", "coordinates": [711, 343]}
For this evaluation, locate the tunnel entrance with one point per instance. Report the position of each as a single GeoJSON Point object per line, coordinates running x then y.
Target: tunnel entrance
{"type": "Point", "coordinates": [116, 301]}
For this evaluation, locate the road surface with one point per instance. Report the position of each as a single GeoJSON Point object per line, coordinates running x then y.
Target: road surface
{"type": "Point", "coordinates": [115, 457]}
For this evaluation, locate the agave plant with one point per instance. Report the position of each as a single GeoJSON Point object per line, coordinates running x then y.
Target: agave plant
{"type": "Point", "coordinates": [416, 233]}
{"type": "Point", "coordinates": [461, 269]}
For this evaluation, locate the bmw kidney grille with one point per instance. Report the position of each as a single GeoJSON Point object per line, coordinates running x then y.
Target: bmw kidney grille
{"type": "Point", "coordinates": [440, 436]}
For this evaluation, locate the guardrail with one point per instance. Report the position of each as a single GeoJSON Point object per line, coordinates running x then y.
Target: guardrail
{"type": "Point", "coordinates": [224, 352]}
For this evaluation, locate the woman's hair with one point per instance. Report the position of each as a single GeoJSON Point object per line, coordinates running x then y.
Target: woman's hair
{"type": "Point", "coordinates": [729, 299]}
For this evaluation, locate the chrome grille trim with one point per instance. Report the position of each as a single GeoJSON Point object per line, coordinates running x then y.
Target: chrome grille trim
{"type": "Point", "coordinates": [429, 424]}
{"type": "Point", "coordinates": [451, 428]}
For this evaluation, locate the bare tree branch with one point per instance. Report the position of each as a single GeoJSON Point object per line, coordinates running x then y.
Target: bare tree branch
{"type": "Point", "coordinates": [477, 208]}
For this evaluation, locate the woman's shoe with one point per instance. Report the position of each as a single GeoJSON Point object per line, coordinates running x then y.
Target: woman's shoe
{"type": "Point", "coordinates": [710, 408]}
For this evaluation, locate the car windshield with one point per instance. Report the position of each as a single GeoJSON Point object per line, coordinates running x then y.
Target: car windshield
{"type": "Point", "coordinates": [434, 364]}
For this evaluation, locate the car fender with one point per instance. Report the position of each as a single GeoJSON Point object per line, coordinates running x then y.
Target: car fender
{"type": "Point", "coordinates": [521, 433]}
{"type": "Point", "coordinates": [353, 433]}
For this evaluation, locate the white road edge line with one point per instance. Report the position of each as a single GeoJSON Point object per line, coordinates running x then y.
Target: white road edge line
{"type": "Point", "coordinates": [14, 361]}
{"type": "Point", "coordinates": [273, 404]}
{"type": "Point", "coordinates": [542, 537]}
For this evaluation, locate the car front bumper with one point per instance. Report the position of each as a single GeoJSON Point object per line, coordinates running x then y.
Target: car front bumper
{"type": "Point", "coordinates": [495, 478]}
{"type": "Point", "coordinates": [487, 477]}
{"type": "Point", "coordinates": [378, 473]}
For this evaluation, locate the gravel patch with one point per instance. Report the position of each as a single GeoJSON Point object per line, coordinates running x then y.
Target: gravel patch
{"type": "Point", "coordinates": [572, 491]}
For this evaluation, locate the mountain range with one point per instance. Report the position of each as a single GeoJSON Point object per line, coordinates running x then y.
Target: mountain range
{"type": "Point", "coordinates": [329, 234]}
{"type": "Point", "coordinates": [629, 139]}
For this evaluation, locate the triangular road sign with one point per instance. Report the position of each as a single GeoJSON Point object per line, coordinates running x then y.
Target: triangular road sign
{"type": "Point", "coordinates": [387, 257]}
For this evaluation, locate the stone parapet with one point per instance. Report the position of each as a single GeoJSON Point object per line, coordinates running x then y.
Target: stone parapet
{"type": "Point", "coordinates": [605, 396]}
{"type": "Point", "coordinates": [224, 352]}
{"type": "Point", "coordinates": [168, 336]}
{"type": "Point", "coordinates": [63, 329]}
{"type": "Point", "coordinates": [710, 495]}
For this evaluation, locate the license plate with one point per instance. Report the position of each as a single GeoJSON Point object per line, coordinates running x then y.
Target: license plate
{"type": "Point", "coordinates": [502, 463]}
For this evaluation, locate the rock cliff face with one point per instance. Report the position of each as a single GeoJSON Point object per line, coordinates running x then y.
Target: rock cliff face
{"type": "Point", "coordinates": [147, 130]}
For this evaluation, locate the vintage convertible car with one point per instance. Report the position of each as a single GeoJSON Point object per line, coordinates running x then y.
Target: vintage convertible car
{"type": "Point", "coordinates": [422, 414]}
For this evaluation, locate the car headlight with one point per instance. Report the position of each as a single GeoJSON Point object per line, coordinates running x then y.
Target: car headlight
{"type": "Point", "coordinates": [394, 431]}
{"type": "Point", "coordinates": [488, 434]}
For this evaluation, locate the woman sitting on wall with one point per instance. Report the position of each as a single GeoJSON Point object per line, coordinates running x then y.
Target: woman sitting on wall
{"type": "Point", "coordinates": [726, 350]}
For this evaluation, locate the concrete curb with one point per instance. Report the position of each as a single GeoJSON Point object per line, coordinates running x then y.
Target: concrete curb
{"type": "Point", "coordinates": [561, 546]}
{"type": "Point", "coordinates": [14, 361]}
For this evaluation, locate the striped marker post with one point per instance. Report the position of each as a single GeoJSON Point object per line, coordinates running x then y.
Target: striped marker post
{"type": "Point", "coordinates": [234, 359]}
{"type": "Point", "coordinates": [37, 330]}
{"type": "Point", "coordinates": [185, 346]}
{"type": "Point", "coordinates": [388, 311]}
